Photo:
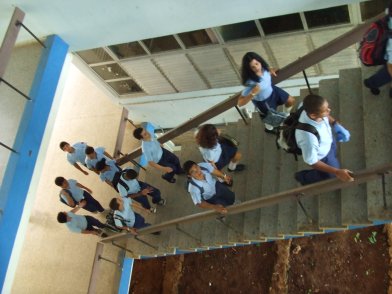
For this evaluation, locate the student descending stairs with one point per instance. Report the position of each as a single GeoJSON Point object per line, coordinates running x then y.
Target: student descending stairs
{"type": "Point", "coordinates": [269, 171]}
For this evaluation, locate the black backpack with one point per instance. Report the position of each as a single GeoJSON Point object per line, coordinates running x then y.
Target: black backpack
{"type": "Point", "coordinates": [110, 223]}
{"type": "Point", "coordinates": [286, 133]}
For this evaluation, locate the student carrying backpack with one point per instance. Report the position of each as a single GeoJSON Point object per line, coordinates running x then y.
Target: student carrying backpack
{"type": "Point", "coordinates": [286, 133]}
{"type": "Point", "coordinates": [373, 45]}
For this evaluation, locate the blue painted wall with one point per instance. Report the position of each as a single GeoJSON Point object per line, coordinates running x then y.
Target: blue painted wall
{"type": "Point", "coordinates": [27, 143]}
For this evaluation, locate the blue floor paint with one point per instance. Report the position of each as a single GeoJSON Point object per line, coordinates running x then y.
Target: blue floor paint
{"type": "Point", "coordinates": [28, 142]}
{"type": "Point", "coordinates": [126, 275]}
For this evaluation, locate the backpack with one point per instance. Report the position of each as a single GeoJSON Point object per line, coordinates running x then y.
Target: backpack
{"type": "Point", "coordinates": [286, 133]}
{"type": "Point", "coordinates": [374, 42]}
{"type": "Point", "coordinates": [190, 181]}
{"type": "Point", "coordinates": [110, 224]}
{"type": "Point", "coordinates": [70, 194]}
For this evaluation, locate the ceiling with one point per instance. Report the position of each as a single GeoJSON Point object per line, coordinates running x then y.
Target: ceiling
{"type": "Point", "coordinates": [89, 23]}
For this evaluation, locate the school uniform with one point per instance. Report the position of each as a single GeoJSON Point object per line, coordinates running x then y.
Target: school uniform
{"type": "Point", "coordinates": [314, 150]}
{"type": "Point", "coordinates": [221, 154]}
{"type": "Point", "coordinates": [135, 186]}
{"type": "Point", "coordinates": [128, 218]}
{"type": "Point", "coordinates": [112, 175]}
{"type": "Point", "coordinates": [91, 163]}
{"type": "Point", "coordinates": [79, 223]}
{"type": "Point", "coordinates": [153, 151]}
{"type": "Point", "coordinates": [209, 189]}
{"type": "Point", "coordinates": [79, 154]}
{"type": "Point", "coordinates": [79, 194]}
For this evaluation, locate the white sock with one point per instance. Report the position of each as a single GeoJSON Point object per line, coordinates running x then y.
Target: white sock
{"type": "Point", "coordinates": [268, 127]}
{"type": "Point", "coordinates": [232, 165]}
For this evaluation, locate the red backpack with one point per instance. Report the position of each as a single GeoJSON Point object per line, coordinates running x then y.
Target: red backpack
{"type": "Point", "coordinates": [374, 42]}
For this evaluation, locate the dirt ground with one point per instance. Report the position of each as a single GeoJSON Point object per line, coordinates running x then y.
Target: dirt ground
{"type": "Point", "coordinates": [354, 261]}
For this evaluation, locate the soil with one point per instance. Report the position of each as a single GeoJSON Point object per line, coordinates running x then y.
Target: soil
{"type": "Point", "coordinates": [344, 262]}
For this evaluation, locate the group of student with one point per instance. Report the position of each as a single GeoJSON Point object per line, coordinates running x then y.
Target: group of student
{"type": "Point", "coordinates": [208, 185]}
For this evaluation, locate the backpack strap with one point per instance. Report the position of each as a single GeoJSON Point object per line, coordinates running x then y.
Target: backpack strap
{"type": "Point", "coordinates": [308, 128]}
{"type": "Point", "coordinates": [192, 182]}
{"type": "Point", "coordinates": [120, 218]}
{"type": "Point", "coordinates": [122, 183]}
{"type": "Point", "coordinates": [70, 194]}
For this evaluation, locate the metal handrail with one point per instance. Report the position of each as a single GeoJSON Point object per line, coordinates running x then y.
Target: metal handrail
{"type": "Point", "coordinates": [314, 57]}
{"type": "Point", "coordinates": [361, 176]}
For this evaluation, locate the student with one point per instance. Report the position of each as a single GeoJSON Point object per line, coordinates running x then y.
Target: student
{"type": "Point", "coordinates": [256, 77]}
{"type": "Point", "coordinates": [93, 155]}
{"type": "Point", "coordinates": [320, 155]}
{"type": "Point", "coordinates": [384, 75]}
{"type": "Point", "coordinates": [72, 193]}
{"type": "Point", "coordinates": [216, 153]}
{"type": "Point", "coordinates": [109, 172]}
{"type": "Point", "coordinates": [130, 186]}
{"type": "Point", "coordinates": [76, 154]}
{"type": "Point", "coordinates": [206, 192]}
{"type": "Point", "coordinates": [158, 157]}
{"type": "Point", "coordinates": [83, 224]}
{"type": "Point", "coordinates": [124, 216]}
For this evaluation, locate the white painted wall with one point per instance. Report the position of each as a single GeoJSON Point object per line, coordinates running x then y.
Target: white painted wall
{"type": "Point", "coordinates": [89, 23]}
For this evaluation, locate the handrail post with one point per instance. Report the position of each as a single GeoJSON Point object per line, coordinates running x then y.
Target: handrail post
{"type": "Point", "coordinates": [384, 194]}
{"type": "Point", "coordinates": [189, 235]}
{"type": "Point", "coordinates": [108, 260]}
{"type": "Point", "coordinates": [121, 247]}
{"type": "Point", "coordinates": [9, 148]}
{"type": "Point", "coordinates": [146, 243]}
{"type": "Point", "coordinates": [19, 23]}
{"type": "Point", "coordinates": [15, 89]}
{"type": "Point", "coordinates": [242, 115]}
{"type": "Point", "coordinates": [307, 82]}
{"type": "Point", "coordinates": [308, 217]}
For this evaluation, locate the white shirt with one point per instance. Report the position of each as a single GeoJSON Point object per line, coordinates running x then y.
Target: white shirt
{"type": "Point", "coordinates": [312, 149]}
{"type": "Point", "coordinates": [211, 154]}
{"type": "Point", "coordinates": [208, 185]}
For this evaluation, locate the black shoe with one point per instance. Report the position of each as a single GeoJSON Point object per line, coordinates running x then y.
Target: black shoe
{"type": "Point", "coordinates": [374, 91]}
{"type": "Point", "coordinates": [298, 177]}
{"type": "Point", "coordinates": [162, 202]}
{"type": "Point", "coordinates": [239, 167]}
{"type": "Point", "coordinates": [156, 233]}
{"type": "Point", "coordinates": [104, 235]}
{"type": "Point", "coordinates": [171, 181]}
{"type": "Point", "coordinates": [390, 92]}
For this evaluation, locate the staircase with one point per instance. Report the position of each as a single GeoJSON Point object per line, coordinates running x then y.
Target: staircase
{"type": "Point", "coordinates": [369, 119]}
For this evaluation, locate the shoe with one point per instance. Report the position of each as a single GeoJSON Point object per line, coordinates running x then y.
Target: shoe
{"type": "Point", "coordinates": [239, 167]}
{"type": "Point", "coordinates": [156, 233]}
{"type": "Point", "coordinates": [374, 91]}
{"type": "Point", "coordinates": [390, 92]}
{"type": "Point", "coordinates": [273, 131]}
{"type": "Point", "coordinates": [298, 177]}
{"type": "Point", "coordinates": [104, 235]}
{"type": "Point", "coordinates": [221, 218]}
{"type": "Point", "coordinates": [153, 210]}
{"type": "Point", "coordinates": [162, 202]}
{"type": "Point", "coordinates": [171, 181]}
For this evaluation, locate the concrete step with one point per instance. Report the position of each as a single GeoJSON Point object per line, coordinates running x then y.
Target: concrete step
{"type": "Point", "coordinates": [254, 171]}
{"type": "Point", "coordinates": [329, 203]}
{"type": "Point", "coordinates": [352, 154]}
{"type": "Point", "coordinates": [269, 179]}
{"type": "Point", "coordinates": [378, 141]}
{"type": "Point", "coordinates": [236, 222]}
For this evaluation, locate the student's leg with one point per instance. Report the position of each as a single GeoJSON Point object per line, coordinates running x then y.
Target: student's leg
{"type": "Point", "coordinates": [155, 194]}
{"type": "Point", "coordinates": [223, 196]}
{"type": "Point", "coordinates": [92, 204]}
{"type": "Point", "coordinates": [140, 222]}
{"type": "Point", "coordinates": [93, 222]}
{"type": "Point", "coordinates": [380, 78]}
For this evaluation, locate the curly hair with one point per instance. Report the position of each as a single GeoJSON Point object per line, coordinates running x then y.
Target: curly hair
{"type": "Point", "coordinates": [207, 137]}
{"type": "Point", "coordinates": [246, 72]}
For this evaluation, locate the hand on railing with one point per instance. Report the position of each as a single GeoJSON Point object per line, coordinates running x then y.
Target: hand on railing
{"type": "Point", "coordinates": [345, 175]}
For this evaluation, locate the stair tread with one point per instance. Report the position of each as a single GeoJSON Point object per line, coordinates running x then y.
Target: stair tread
{"type": "Point", "coordinates": [352, 154]}
{"type": "Point", "coordinates": [253, 189]}
{"type": "Point", "coordinates": [378, 141]}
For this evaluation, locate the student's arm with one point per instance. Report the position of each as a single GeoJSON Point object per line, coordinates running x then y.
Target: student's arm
{"type": "Point", "coordinates": [219, 174]}
{"type": "Point", "coordinates": [137, 205]}
{"type": "Point", "coordinates": [164, 169]}
{"type": "Point", "coordinates": [217, 207]}
{"type": "Point", "coordinates": [143, 192]}
{"type": "Point", "coordinates": [242, 100]}
{"type": "Point", "coordinates": [84, 187]}
{"type": "Point", "coordinates": [77, 166]}
{"type": "Point", "coordinates": [341, 174]}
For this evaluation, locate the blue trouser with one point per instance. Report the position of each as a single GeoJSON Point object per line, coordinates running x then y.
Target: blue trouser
{"type": "Point", "coordinates": [223, 196]}
{"type": "Point", "coordinates": [168, 159]}
{"type": "Point", "coordinates": [312, 176]}
{"type": "Point", "coordinates": [380, 78]}
{"type": "Point", "coordinates": [93, 222]}
{"type": "Point", "coordinates": [155, 194]}
{"type": "Point", "coordinates": [140, 222]}
{"type": "Point", "coordinates": [92, 204]}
